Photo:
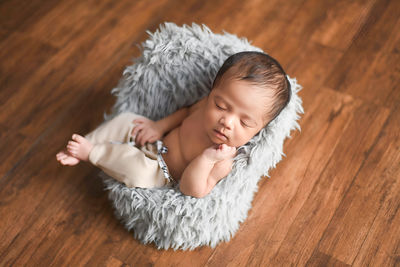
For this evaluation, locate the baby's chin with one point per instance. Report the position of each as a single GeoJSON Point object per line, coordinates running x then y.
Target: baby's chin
{"type": "Point", "coordinates": [226, 143]}
{"type": "Point", "coordinates": [219, 141]}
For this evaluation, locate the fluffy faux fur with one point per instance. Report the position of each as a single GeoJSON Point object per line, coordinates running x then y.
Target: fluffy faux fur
{"type": "Point", "coordinates": [176, 68]}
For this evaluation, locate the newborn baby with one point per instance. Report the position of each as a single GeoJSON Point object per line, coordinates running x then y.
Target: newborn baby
{"type": "Point", "coordinates": [195, 145]}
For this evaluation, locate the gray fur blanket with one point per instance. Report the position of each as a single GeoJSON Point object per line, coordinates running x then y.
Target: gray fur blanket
{"type": "Point", "coordinates": [176, 68]}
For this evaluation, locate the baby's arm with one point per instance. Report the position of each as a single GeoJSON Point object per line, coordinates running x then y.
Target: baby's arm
{"type": "Point", "coordinates": [205, 171]}
{"type": "Point", "coordinates": [150, 131]}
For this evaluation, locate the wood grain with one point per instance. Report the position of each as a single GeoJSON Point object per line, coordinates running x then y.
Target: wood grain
{"type": "Point", "coordinates": [377, 41]}
{"type": "Point", "coordinates": [380, 173]}
{"type": "Point", "coordinates": [332, 201]}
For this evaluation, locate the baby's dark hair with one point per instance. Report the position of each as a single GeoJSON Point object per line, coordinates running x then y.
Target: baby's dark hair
{"type": "Point", "coordinates": [262, 71]}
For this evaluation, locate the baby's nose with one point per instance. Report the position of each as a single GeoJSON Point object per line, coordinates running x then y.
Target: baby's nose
{"type": "Point", "coordinates": [227, 122]}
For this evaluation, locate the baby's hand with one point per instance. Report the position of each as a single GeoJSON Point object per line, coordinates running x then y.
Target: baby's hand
{"type": "Point", "coordinates": [146, 130]}
{"type": "Point", "coordinates": [220, 152]}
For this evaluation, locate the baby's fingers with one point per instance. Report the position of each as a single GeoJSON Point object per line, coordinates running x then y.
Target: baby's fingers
{"type": "Point", "coordinates": [226, 148]}
{"type": "Point", "coordinates": [233, 151]}
{"type": "Point", "coordinates": [138, 120]}
{"type": "Point", "coordinates": [145, 138]}
{"type": "Point", "coordinates": [228, 151]}
{"type": "Point", "coordinates": [152, 139]}
{"type": "Point", "coordinates": [139, 138]}
{"type": "Point", "coordinates": [136, 129]}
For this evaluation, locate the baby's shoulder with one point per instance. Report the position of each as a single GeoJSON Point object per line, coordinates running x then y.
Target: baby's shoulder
{"type": "Point", "coordinates": [201, 103]}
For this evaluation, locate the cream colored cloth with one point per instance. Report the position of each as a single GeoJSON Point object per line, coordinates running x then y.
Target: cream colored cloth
{"type": "Point", "coordinates": [114, 152]}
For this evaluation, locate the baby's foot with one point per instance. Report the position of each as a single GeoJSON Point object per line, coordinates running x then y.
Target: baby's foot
{"type": "Point", "coordinates": [79, 148]}
{"type": "Point", "coordinates": [66, 159]}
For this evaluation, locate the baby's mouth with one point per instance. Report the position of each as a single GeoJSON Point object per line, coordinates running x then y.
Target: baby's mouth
{"type": "Point", "coordinates": [220, 135]}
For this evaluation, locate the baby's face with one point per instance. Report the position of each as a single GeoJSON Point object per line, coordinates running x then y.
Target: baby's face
{"type": "Point", "coordinates": [235, 112]}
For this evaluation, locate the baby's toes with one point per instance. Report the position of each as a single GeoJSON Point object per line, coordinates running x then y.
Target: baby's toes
{"type": "Point", "coordinates": [70, 161]}
{"type": "Point", "coordinates": [72, 150]}
{"type": "Point", "coordinates": [60, 156]}
{"type": "Point", "coordinates": [73, 145]}
{"type": "Point", "coordinates": [78, 138]}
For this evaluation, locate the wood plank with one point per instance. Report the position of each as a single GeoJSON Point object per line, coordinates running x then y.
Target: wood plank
{"type": "Point", "coordinates": [314, 216]}
{"type": "Point", "coordinates": [310, 14]}
{"type": "Point", "coordinates": [106, 237]}
{"type": "Point", "coordinates": [100, 99]}
{"type": "Point", "coordinates": [13, 192]}
{"type": "Point", "coordinates": [17, 15]}
{"type": "Point", "coordinates": [198, 12]}
{"type": "Point", "coordinates": [95, 63]}
{"type": "Point", "coordinates": [54, 72]}
{"type": "Point", "coordinates": [17, 144]}
{"type": "Point", "coordinates": [267, 19]}
{"type": "Point", "coordinates": [24, 98]}
{"type": "Point", "coordinates": [3, 34]}
{"type": "Point", "coordinates": [113, 262]}
{"type": "Point", "coordinates": [342, 22]}
{"type": "Point", "coordinates": [332, 201]}
{"type": "Point", "coordinates": [197, 257]}
{"type": "Point", "coordinates": [79, 195]}
{"type": "Point", "coordinates": [310, 67]}
{"type": "Point", "coordinates": [373, 190]}
{"type": "Point", "coordinates": [70, 19]}
{"type": "Point", "coordinates": [75, 85]}
{"type": "Point", "coordinates": [290, 39]}
{"type": "Point", "coordinates": [321, 259]}
{"type": "Point", "coordinates": [371, 59]}
{"type": "Point", "coordinates": [379, 84]}
{"type": "Point", "coordinates": [117, 247]}
{"type": "Point", "coordinates": [20, 57]}
{"type": "Point", "coordinates": [381, 247]}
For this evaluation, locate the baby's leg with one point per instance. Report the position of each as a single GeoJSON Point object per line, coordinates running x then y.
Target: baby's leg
{"type": "Point", "coordinates": [66, 159]}
{"type": "Point", "coordinates": [78, 149]}
{"type": "Point", "coordinates": [127, 164]}
{"type": "Point", "coordinates": [118, 129]}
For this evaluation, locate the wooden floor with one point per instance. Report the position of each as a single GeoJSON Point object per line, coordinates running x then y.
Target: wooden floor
{"type": "Point", "coordinates": [334, 199]}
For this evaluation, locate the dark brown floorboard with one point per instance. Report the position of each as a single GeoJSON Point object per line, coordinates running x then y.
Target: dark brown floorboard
{"type": "Point", "coordinates": [332, 201]}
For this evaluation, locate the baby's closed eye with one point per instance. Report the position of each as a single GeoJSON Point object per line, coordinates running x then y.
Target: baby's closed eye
{"type": "Point", "coordinates": [220, 106]}
{"type": "Point", "coordinates": [248, 123]}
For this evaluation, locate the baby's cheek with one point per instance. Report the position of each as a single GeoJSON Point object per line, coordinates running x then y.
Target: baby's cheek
{"type": "Point", "coordinates": [207, 117]}
{"type": "Point", "coordinates": [242, 138]}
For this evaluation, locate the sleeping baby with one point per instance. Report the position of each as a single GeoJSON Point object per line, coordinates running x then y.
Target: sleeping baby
{"type": "Point", "coordinates": [195, 145]}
